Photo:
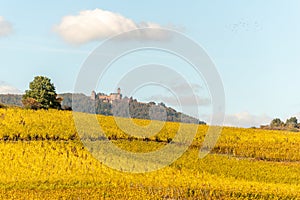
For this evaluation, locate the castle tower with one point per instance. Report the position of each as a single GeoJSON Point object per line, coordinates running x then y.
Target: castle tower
{"type": "Point", "coordinates": [93, 95]}
{"type": "Point", "coordinates": [119, 94]}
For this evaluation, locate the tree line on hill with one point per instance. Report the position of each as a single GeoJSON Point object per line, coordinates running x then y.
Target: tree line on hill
{"type": "Point", "coordinates": [127, 107]}
{"type": "Point", "coordinates": [290, 124]}
{"type": "Point", "coordinates": [42, 95]}
{"type": "Point", "coordinates": [10, 99]}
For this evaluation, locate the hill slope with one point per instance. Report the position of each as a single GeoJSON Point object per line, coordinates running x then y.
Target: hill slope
{"type": "Point", "coordinates": [136, 109]}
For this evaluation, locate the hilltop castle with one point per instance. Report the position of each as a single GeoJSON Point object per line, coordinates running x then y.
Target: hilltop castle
{"type": "Point", "coordinates": [107, 98]}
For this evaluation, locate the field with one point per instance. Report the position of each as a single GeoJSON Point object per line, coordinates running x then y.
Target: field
{"type": "Point", "coordinates": [42, 157]}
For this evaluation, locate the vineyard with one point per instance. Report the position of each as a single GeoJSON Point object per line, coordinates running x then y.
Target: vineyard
{"type": "Point", "coordinates": [42, 157]}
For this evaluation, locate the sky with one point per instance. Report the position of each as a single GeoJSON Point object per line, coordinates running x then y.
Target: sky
{"type": "Point", "coordinates": [254, 45]}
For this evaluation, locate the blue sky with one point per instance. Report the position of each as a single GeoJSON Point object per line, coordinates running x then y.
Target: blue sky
{"type": "Point", "coordinates": [255, 46]}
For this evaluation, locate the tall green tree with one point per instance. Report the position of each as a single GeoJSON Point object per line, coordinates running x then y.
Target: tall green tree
{"type": "Point", "coordinates": [41, 94]}
{"type": "Point", "coordinates": [276, 123]}
{"type": "Point", "coordinates": [291, 122]}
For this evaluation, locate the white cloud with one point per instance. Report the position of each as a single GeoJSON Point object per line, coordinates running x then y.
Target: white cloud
{"type": "Point", "coordinates": [243, 119]}
{"type": "Point", "coordinates": [90, 25]}
{"type": "Point", "coordinates": [5, 27]}
{"type": "Point", "coordinates": [8, 89]}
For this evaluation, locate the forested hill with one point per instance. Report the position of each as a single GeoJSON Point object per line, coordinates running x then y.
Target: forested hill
{"type": "Point", "coordinates": [136, 109]}
{"type": "Point", "coordinates": [11, 99]}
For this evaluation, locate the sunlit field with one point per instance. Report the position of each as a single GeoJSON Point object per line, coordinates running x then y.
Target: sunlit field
{"type": "Point", "coordinates": [42, 157]}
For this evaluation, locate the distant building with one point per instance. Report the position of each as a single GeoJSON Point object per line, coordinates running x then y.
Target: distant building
{"type": "Point", "coordinates": [93, 95]}
{"type": "Point", "coordinates": [107, 98]}
{"type": "Point", "coordinates": [264, 126]}
{"type": "Point", "coordinates": [115, 96]}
